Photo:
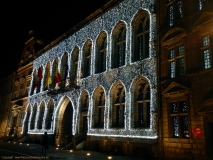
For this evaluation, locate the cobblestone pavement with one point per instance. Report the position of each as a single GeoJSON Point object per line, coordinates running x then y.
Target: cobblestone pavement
{"type": "Point", "coordinates": [11, 150]}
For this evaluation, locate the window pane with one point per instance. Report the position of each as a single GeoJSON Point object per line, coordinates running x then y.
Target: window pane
{"type": "Point", "coordinates": [183, 106]}
{"type": "Point", "coordinates": [207, 59]}
{"type": "Point", "coordinates": [206, 41]}
{"type": "Point", "coordinates": [180, 8]}
{"type": "Point", "coordinates": [175, 127]}
{"type": "Point", "coordinates": [171, 15]}
{"type": "Point", "coordinates": [172, 69]}
{"type": "Point", "coordinates": [181, 66]}
{"type": "Point", "coordinates": [185, 126]}
{"type": "Point", "coordinates": [171, 54]}
{"type": "Point", "coordinates": [180, 50]}
{"type": "Point", "coordinates": [174, 107]}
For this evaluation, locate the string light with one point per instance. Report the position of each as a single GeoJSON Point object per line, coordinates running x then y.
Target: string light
{"type": "Point", "coordinates": [126, 74]}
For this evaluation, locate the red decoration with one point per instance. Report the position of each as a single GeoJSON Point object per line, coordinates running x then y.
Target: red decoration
{"type": "Point", "coordinates": [197, 131]}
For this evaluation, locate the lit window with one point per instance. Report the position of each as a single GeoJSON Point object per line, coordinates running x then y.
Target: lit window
{"type": "Point", "coordinates": [206, 53]}
{"type": "Point", "coordinates": [176, 62]}
{"type": "Point", "coordinates": [179, 119]}
{"type": "Point", "coordinates": [175, 11]}
{"type": "Point", "coordinates": [171, 15]}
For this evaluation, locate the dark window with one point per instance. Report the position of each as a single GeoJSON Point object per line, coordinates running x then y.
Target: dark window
{"type": "Point", "coordinates": [141, 40]}
{"type": "Point", "coordinates": [86, 60]}
{"type": "Point", "coordinates": [142, 107]}
{"type": "Point", "coordinates": [118, 109]}
{"type": "Point", "coordinates": [101, 54]}
{"type": "Point", "coordinates": [179, 119]}
{"type": "Point", "coordinates": [118, 57]}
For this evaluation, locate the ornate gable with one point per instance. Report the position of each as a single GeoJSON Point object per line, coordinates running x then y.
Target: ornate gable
{"type": "Point", "coordinates": [174, 88]}
{"type": "Point", "coordinates": [204, 19]}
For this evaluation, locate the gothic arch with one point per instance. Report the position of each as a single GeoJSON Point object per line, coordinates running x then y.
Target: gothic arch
{"type": "Point", "coordinates": [49, 114]}
{"type": "Point", "coordinates": [118, 45]}
{"type": "Point", "coordinates": [100, 52]}
{"type": "Point", "coordinates": [140, 36]}
{"type": "Point", "coordinates": [86, 58]}
{"type": "Point", "coordinates": [41, 115]}
{"type": "Point", "coordinates": [33, 117]}
{"type": "Point", "coordinates": [140, 102]}
{"type": "Point", "coordinates": [98, 108]}
{"type": "Point", "coordinates": [74, 64]}
{"type": "Point", "coordinates": [64, 127]}
{"type": "Point", "coordinates": [117, 106]}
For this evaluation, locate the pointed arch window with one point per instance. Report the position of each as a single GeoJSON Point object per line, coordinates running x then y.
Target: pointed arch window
{"type": "Point", "coordinates": [142, 106]}
{"type": "Point", "coordinates": [86, 64]}
{"type": "Point", "coordinates": [101, 53]}
{"type": "Point", "coordinates": [118, 108]}
{"type": "Point", "coordinates": [49, 116]}
{"type": "Point", "coordinates": [41, 116]}
{"type": "Point", "coordinates": [74, 64]}
{"type": "Point", "coordinates": [64, 69]}
{"type": "Point", "coordinates": [141, 39]}
{"type": "Point", "coordinates": [32, 126]}
{"type": "Point", "coordinates": [118, 57]}
{"type": "Point", "coordinates": [99, 110]}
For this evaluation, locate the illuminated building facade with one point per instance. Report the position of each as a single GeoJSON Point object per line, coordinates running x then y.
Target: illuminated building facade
{"type": "Point", "coordinates": [186, 61]}
{"type": "Point", "coordinates": [135, 80]}
{"type": "Point", "coordinates": [112, 60]}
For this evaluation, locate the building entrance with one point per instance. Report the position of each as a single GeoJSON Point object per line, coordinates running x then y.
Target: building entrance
{"type": "Point", "coordinates": [64, 125]}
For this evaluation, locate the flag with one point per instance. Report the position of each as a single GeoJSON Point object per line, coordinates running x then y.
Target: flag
{"type": "Point", "coordinates": [35, 84]}
{"type": "Point", "coordinates": [39, 74]}
{"type": "Point", "coordinates": [66, 72]}
{"type": "Point", "coordinates": [48, 80]}
{"type": "Point", "coordinates": [57, 75]}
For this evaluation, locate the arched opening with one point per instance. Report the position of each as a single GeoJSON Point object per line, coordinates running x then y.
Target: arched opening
{"type": "Point", "coordinates": [27, 120]}
{"type": "Point", "coordinates": [141, 104]}
{"type": "Point", "coordinates": [119, 45]}
{"type": "Point", "coordinates": [100, 57]}
{"type": "Point", "coordinates": [98, 108]}
{"type": "Point", "coordinates": [47, 77]}
{"type": "Point", "coordinates": [140, 36]}
{"type": "Point", "coordinates": [49, 116]}
{"type": "Point", "coordinates": [64, 124]}
{"type": "Point", "coordinates": [33, 118]}
{"type": "Point", "coordinates": [41, 116]}
{"type": "Point", "coordinates": [86, 59]}
{"type": "Point", "coordinates": [117, 109]}
{"type": "Point", "coordinates": [84, 105]}
{"type": "Point", "coordinates": [74, 64]}
{"type": "Point", "coordinates": [64, 69]}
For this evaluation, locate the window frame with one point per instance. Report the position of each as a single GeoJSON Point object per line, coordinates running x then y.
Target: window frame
{"type": "Point", "coordinates": [204, 48]}
{"type": "Point", "coordinates": [179, 114]}
{"type": "Point", "coordinates": [176, 59]}
{"type": "Point", "coordinates": [177, 14]}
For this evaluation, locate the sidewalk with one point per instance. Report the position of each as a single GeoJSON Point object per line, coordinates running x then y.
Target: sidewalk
{"type": "Point", "coordinates": [33, 151]}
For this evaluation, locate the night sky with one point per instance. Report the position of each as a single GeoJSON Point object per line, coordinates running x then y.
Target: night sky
{"type": "Point", "coordinates": [49, 20]}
